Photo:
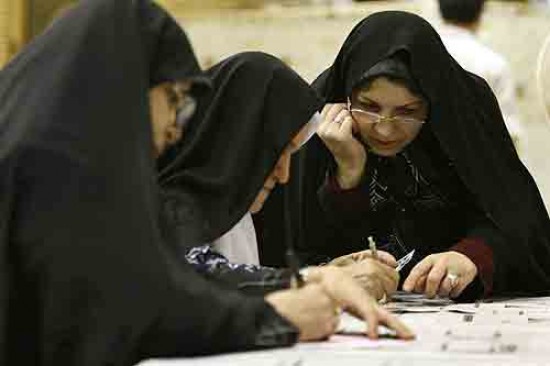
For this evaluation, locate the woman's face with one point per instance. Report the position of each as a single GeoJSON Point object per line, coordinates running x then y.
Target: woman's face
{"type": "Point", "coordinates": [400, 116]}
{"type": "Point", "coordinates": [281, 172]}
{"type": "Point", "coordinates": [164, 101]}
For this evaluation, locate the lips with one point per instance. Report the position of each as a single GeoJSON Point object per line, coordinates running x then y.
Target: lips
{"type": "Point", "coordinates": [385, 143]}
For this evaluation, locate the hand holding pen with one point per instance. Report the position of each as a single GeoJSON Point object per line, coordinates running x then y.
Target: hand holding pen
{"type": "Point", "coordinates": [375, 270]}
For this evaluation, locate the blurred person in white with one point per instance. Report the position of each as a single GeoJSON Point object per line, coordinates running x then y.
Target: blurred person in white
{"type": "Point", "coordinates": [461, 22]}
{"type": "Point", "coordinates": [543, 77]}
{"type": "Point", "coordinates": [333, 2]}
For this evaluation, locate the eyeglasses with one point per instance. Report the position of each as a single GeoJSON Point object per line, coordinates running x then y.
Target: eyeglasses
{"type": "Point", "coordinates": [363, 116]}
{"type": "Point", "coordinates": [184, 104]}
{"type": "Point", "coordinates": [360, 115]}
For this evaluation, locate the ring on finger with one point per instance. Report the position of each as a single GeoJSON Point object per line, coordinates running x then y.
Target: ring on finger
{"type": "Point", "coordinates": [453, 279]}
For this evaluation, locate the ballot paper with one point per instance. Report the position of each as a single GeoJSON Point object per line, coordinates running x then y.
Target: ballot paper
{"type": "Point", "coordinates": [403, 302]}
{"type": "Point", "coordinates": [351, 325]}
{"type": "Point", "coordinates": [485, 333]}
{"type": "Point", "coordinates": [419, 299]}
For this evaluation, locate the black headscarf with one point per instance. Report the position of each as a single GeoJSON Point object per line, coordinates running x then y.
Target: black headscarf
{"type": "Point", "coordinates": [85, 277]}
{"type": "Point", "coordinates": [212, 177]}
{"type": "Point", "coordinates": [393, 68]}
{"type": "Point", "coordinates": [467, 123]}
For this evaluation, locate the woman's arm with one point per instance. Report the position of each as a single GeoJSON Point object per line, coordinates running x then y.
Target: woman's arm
{"type": "Point", "coordinates": [249, 278]}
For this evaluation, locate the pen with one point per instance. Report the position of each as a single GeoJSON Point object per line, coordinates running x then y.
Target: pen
{"type": "Point", "coordinates": [372, 247]}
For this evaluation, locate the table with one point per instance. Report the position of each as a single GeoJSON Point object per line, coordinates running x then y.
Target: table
{"type": "Point", "coordinates": [496, 332]}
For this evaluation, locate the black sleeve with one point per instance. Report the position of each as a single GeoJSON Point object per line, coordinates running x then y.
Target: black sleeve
{"type": "Point", "coordinates": [96, 286]}
{"type": "Point", "coordinates": [345, 207]}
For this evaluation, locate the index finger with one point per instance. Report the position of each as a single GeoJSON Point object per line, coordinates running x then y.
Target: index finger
{"type": "Point", "coordinates": [433, 282]}
{"type": "Point", "coordinates": [329, 113]}
{"type": "Point", "coordinates": [419, 270]}
{"type": "Point", "coordinates": [387, 258]}
{"type": "Point", "coordinates": [332, 111]}
{"type": "Point", "coordinates": [374, 315]}
{"type": "Point", "coordinates": [347, 293]}
{"type": "Point", "coordinates": [383, 257]}
{"type": "Point", "coordinates": [326, 108]}
{"type": "Point", "coordinates": [393, 323]}
{"type": "Point", "coordinates": [367, 310]}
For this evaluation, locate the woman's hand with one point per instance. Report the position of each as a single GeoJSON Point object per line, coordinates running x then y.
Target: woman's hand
{"type": "Point", "coordinates": [378, 277]}
{"type": "Point", "coordinates": [445, 274]}
{"type": "Point", "coordinates": [349, 295]}
{"type": "Point", "coordinates": [336, 131]}
{"type": "Point", "coordinates": [347, 259]}
{"type": "Point", "coordinates": [310, 309]}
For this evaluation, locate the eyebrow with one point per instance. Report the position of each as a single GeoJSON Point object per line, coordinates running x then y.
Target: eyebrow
{"type": "Point", "coordinates": [411, 103]}
{"type": "Point", "coordinates": [362, 98]}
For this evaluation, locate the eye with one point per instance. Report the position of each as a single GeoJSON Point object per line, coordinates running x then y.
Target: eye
{"type": "Point", "coordinates": [369, 106]}
{"type": "Point", "coordinates": [405, 111]}
{"type": "Point", "coordinates": [172, 96]}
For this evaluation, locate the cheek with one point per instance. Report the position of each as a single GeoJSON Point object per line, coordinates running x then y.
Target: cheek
{"type": "Point", "coordinates": [411, 133]}
{"type": "Point", "coordinates": [364, 131]}
{"type": "Point", "coordinates": [161, 114]}
{"type": "Point", "coordinates": [407, 136]}
{"type": "Point", "coordinates": [369, 131]}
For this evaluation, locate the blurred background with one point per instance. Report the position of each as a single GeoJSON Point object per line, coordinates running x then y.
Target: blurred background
{"type": "Point", "coordinates": [308, 33]}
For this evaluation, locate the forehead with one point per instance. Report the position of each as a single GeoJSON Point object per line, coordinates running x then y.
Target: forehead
{"type": "Point", "coordinates": [385, 91]}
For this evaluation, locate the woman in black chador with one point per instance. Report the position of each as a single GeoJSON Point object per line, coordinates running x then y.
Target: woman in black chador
{"type": "Point", "coordinates": [413, 151]}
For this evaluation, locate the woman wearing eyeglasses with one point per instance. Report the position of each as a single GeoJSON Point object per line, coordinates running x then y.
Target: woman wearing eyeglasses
{"type": "Point", "coordinates": [414, 153]}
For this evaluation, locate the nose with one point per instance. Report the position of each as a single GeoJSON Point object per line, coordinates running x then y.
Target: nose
{"type": "Point", "coordinates": [282, 170]}
{"type": "Point", "coordinates": [385, 128]}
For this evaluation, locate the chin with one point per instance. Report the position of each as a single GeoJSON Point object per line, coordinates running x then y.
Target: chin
{"type": "Point", "coordinates": [386, 152]}
{"type": "Point", "coordinates": [255, 208]}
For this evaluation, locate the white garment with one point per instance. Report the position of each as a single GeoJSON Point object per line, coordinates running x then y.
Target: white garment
{"type": "Point", "coordinates": [239, 245]}
{"type": "Point", "coordinates": [479, 59]}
